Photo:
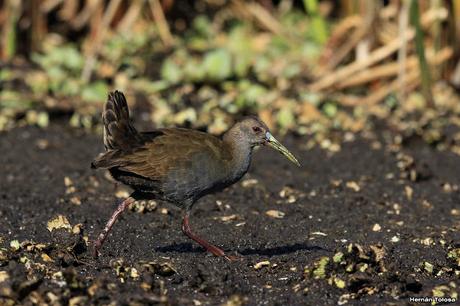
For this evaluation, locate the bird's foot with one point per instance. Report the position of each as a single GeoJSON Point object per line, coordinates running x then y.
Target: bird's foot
{"type": "Point", "coordinates": [233, 258]}
{"type": "Point", "coordinates": [96, 246]}
{"type": "Point", "coordinates": [220, 253]}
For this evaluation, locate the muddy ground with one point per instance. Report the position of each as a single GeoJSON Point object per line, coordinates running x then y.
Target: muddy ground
{"type": "Point", "coordinates": [376, 222]}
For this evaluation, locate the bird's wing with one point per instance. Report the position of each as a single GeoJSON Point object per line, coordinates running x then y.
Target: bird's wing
{"type": "Point", "coordinates": [175, 150]}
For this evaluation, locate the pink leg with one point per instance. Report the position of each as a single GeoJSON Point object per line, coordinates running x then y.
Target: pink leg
{"type": "Point", "coordinates": [209, 247]}
{"type": "Point", "coordinates": [103, 235]}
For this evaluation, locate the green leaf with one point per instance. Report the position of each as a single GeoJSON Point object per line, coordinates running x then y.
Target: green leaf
{"type": "Point", "coordinates": [43, 119]}
{"type": "Point", "coordinates": [286, 117]}
{"type": "Point", "coordinates": [217, 64]}
{"type": "Point", "coordinates": [253, 92]}
{"type": "Point", "coordinates": [6, 74]}
{"type": "Point", "coordinates": [70, 88]}
{"type": "Point", "coordinates": [242, 64]}
{"type": "Point", "coordinates": [37, 81]}
{"type": "Point", "coordinates": [262, 66]}
{"type": "Point", "coordinates": [95, 92]}
{"type": "Point", "coordinates": [194, 71]}
{"type": "Point", "coordinates": [291, 70]}
{"type": "Point", "coordinates": [239, 44]}
{"type": "Point", "coordinates": [56, 73]}
{"type": "Point", "coordinates": [65, 57]}
{"type": "Point", "coordinates": [320, 267]}
{"type": "Point", "coordinates": [171, 71]}
{"type": "Point", "coordinates": [148, 86]}
{"type": "Point", "coordinates": [249, 94]}
{"type": "Point", "coordinates": [202, 26]}
{"type": "Point", "coordinates": [318, 24]}
{"type": "Point", "coordinates": [339, 282]}
{"type": "Point", "coordinates": [338, 257]}
{"type": "Point", "coordinates": [71, 58]}
{"type": "Point", "coordinates": [13, 100]}
{"type": "Point", "coordinates": [330, 109]}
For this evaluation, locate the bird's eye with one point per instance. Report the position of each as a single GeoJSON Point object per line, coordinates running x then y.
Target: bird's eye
{"type": "Point", "coordinates": [256, 129]}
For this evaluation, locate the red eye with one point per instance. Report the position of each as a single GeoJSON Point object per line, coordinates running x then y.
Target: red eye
{"type": "Point", "coordinates": [256, 129]}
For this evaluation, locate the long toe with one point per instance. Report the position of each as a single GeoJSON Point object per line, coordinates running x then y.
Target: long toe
{"type": "Point", "coordinates": [96, 252]}
{"type": "Point", "coordinates": [233, 258]}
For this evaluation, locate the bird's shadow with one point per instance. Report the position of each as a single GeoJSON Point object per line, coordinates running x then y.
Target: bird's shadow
{"type": "Point", "coordinates": [282, 250]}
{"type": "Point", "coordinates": [273, 251]}
{"type": "Point", "coordinates": [183, 247]}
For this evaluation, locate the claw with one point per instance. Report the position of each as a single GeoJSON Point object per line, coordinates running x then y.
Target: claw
{"type": "Point", "coordinates": [96, 247]}
{"type": "Point", "coordinates": [233, 258]}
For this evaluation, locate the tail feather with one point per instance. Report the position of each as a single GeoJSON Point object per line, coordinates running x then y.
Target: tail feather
{"type": "Point", "coordinates": [108, 159]}
{"type": "Point", "coordinates": [119, 133]}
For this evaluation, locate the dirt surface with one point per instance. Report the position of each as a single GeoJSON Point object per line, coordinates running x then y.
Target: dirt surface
{"type": "Point", "coordinates": [376, 222]}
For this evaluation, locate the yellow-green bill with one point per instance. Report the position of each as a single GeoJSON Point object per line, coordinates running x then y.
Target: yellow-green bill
{"type": "Point", "coordinates": [275, 144]}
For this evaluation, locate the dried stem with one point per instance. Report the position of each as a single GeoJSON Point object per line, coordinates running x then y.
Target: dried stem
{"type": "Point", "coordinates": [260, 14]}
{"type": "Point", "coordinates": [98, 40]}
{"type": "Point", "coordinates": [347, 71]}
{"type": "Point", "coordinates": [390, 69]}
{"type": "Point", "coordinates": [413, 79]}
{"type": "Point", "coordinates": [162, 24]}
{"type": "Point", "coordinates": [375, 56]}
{"type": "Point", "coordinates": [420, 48]}
{"type": "Point", "coordinates": [330, 57]}
{"type": "Point", "coordinates": [130, 16]}
{"type": "Point", "coordinates": [402, 52]}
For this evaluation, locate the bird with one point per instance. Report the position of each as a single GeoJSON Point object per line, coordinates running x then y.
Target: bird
{"type": "Point", "coordinates": [176, 165]}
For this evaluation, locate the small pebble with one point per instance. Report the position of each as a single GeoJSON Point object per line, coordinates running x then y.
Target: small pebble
{"type": "Point", "coordinates": [42, 144]}
{"type": "Point", "coordinates": [75, 200]}
{"type": "Point", "coordinates": [353, 186]}
{"type": "Point", "coordinates": [67, 181]}
{"type": "Point", "coordinates": [319, 234]}
{"type": "Point", "coordinates": [427, 241]}
{"type": "Point", "coordinates": [228, 218]}
{"type": "Point", "coordinates": [261, 264]}
{"type": "Point", "coordinates": [76, 229]}
{"type": "Point", "coordinates": [249, 183]}
{"type": "Point", "coordinates": [133, 273]}
{"type": "Point", "coordinates": [275, 214]}
{"type": "Point", "coordinates": [4, 276]}
{"type": "Point", "coordinates": [46, 258]}
{"type": "Point", "coordinates": [121, 194]}
{"type": "Point", "coordinates": [409, 192]}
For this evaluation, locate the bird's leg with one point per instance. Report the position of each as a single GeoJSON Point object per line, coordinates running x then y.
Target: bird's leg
{"type": "Point", "coordinates": [103, 235]}
{"type": "Point", "coordinates": [209, 247]}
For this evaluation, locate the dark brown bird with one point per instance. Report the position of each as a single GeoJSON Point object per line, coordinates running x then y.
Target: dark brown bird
{"type": "Point", "coordinates": [174, 164]}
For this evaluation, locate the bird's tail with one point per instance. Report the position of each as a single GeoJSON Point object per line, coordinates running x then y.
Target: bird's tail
{"type": "Point", "coordinates": [119, 133]}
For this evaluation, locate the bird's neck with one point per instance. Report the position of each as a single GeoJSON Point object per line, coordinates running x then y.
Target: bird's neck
{"type": "Point", "coordinates": [240, 150]}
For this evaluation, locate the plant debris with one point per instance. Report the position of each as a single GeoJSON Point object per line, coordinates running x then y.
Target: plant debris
{"type": "Point", "coordinates": [59, 222]}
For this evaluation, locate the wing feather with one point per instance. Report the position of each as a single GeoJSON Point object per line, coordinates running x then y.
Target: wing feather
{"type": "Point", "coordinates": [174, 150]}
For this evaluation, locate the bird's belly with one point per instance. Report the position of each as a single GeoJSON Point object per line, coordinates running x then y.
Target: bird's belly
{"type": "Point", "coordinates": [194, 183]}
{"type": "Point", "coordinates": [180, 185]}
{"type": "Point", "coordinates": [136, 182]}
{"type": "Point", "coordinates": [156, 189]}
{"type": "Point", "coordinates": [205, 177]}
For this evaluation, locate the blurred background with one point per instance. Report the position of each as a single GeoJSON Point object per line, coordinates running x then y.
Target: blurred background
{"type": "Point", "coordinates": [308, 67]}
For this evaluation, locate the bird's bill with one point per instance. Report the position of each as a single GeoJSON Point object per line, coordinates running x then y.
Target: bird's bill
{"type": "Point", "coordinates": [275, 144]}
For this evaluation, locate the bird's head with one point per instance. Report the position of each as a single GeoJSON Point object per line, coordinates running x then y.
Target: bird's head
{"type": "Point", "coordinates": [256, 133]}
